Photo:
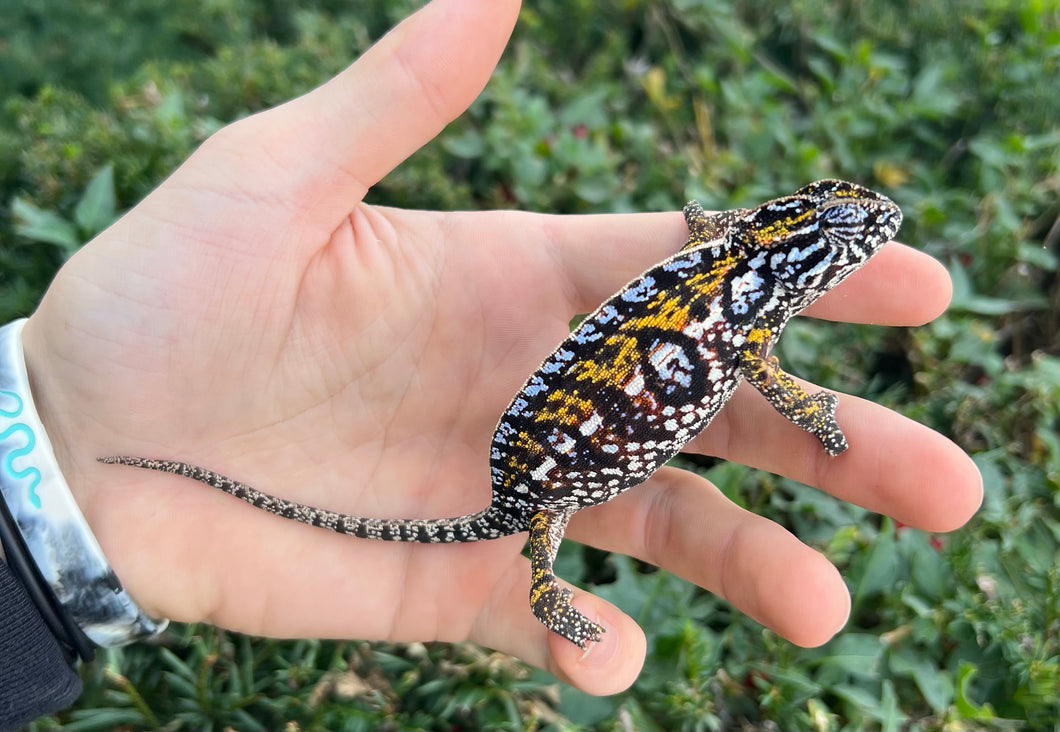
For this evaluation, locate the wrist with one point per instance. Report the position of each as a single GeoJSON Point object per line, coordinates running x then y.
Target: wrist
{"type": "Point", "coordinates": [71, 573]}
{"type": "Point", "coordinates": [44, 393]}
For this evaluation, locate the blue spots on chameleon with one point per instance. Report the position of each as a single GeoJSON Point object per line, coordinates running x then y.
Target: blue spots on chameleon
{"type": "Point", "coordinates": [31, 472]}
{"type": "Point", "coordinates": [853, 216]}
{"type": "Point", "coordinates": [561, 442]}
{"type": "Point", "coordinates": [587, 333]}
{"type": "Point", "coordinates": [803, 267]}
{"type": "Point", "coordinates": [810, 277]}
{"type": "Point", "coordinates": [796, 254]}
{"type": "Point", "coordinates": [536, 385]}
{"type": "Point", "coordinates": [518, 407]}
{"type": "Point", "coordinates": [746, 293]}
{"type": "Point", "coordinates": [684, 264]}
{"type": "Point", "coordinates": [503, 433]}
{"type": "Point", "coordinates": [606, 314]}
{"type": "Point", "coordinates": [557, 361]}
{"type": "Point", "coordinates": [642, 291]}
{"type": "Point", "coordinates": [783, 205]}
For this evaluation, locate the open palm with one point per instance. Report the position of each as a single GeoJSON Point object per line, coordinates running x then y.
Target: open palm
{"type": "Point", "coordinates": [253, 316]}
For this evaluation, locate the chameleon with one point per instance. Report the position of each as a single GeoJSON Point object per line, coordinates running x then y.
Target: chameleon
{"type": "Point", "coordinates": [641, 376]}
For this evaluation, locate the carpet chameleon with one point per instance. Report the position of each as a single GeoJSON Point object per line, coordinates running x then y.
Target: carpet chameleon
{"type": "Point", "coordinates": [641, 376]}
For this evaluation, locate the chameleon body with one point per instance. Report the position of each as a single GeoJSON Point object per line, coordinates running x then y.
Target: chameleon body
{"type": "Point", "coordinates": [641, 376]}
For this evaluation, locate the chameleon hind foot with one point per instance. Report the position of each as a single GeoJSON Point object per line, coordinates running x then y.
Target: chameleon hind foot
{"type": "Point", "coordinates": [551, 605]}
{"type": "Point", "coordinates": [550, 602]}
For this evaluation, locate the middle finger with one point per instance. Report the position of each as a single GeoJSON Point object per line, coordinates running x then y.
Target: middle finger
{"type": "Point", "coordinates": [682, 523]}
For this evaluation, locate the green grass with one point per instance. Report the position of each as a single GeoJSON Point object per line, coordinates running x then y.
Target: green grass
{"type": "Point", "coordinates": [949, 107]}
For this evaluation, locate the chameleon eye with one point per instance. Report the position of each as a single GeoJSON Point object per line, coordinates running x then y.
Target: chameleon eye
{"type": "Point", "coordinates": [862, 226]}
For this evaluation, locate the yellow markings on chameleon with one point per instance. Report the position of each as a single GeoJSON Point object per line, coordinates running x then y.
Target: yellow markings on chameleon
{"type": "Point", "coordinates": [540, 575]}
{"type": "Point", "coordinates": [522, 446]}
{"type": "Point", "coordinates": [847, 193]}
{"type": "Point", "coordinates": [666, 312]}
{"type": "Point", "coordinates": [617, 370]}
{"type": "Point", "coordinates": [760, 335]}
{"type": "Point", "coordinates": [707, 284]}
{"type": "Point", "coordinates": [527, 442]}
{"type": "Point", "coordinates": [537, 585]}
{"type": "Point", "coordinates": [670, 310]}
{"type": "Point", "coordinates": [810, 408]}
{"type": "Point", "coordinates": [778, 230]}
{"type": "Point", "coordinates": [564, 407]}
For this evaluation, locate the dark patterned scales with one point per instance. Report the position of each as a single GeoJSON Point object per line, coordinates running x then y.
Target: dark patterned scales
{"type": "Point", "coordinates": [642, 376]}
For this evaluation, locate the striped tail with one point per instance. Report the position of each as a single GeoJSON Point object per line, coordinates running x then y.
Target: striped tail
{"type": "Point", "coordinates": [492, 523]}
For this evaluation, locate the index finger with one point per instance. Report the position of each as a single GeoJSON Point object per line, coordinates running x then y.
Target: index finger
{"type": "Point", "coordinates": [899, 286]}
{"type": "Point", "coordinates": [895, 466]}
{"type": "Point", "coordinates": [331, 144]}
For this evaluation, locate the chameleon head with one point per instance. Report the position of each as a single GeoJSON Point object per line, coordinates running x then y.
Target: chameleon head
{"type": "Point", "coordinates": [813, 239]}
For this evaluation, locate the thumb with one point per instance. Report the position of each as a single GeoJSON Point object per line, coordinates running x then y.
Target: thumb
{"type": "Point", "coordinates": [343, 137]}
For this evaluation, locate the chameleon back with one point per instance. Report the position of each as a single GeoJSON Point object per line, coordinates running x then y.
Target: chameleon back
{"type": "Point", "coordinates": [623, 393]}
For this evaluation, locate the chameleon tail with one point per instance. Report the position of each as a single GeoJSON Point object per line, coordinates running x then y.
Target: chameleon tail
{"type": "Point", "coordinates": [491, 523]}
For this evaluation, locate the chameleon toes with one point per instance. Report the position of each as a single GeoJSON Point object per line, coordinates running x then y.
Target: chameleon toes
{"type": "Point", "coordinates": [826, 428]}
{"type": "Point", "coordinates": [551, 605]}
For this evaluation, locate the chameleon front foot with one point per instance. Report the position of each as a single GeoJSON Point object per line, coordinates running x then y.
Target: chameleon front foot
{"type": "Point", "coordinates": [551, 605]}
{"type": "Point", "coordinates": [813, 413]}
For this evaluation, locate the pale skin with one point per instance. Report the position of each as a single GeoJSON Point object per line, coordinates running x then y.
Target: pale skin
{"type": "Point", "coordinates": [253, 316]}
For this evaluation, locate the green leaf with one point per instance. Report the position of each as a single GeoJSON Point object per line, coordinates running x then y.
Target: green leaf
{"type": "Point", "coordinates": [892, 717]}
{"type": "Point", "coordinates": [86, 720]}
{"type": "Point", "coordinates": [856, 654]}
{"type": "Point", "coordinates": [965, 299]}
{"type": "Point", "coordinates": [883, 709]}
{"type": "Point", "coordinates": [44, 226]}
{"type": "Point", "coordinates": [469, 145]}
{"type": "Point", "coordinates": [934, 683]}
{"type": "Point", "coordinates": [584, 709]}
{"type": "Point", "coordinates": [96, 209]}
{"type": "Point", "coordinates": [931, 574]}
{"type": "Point", "coordinates": [965, 706]}
{"type": "Point", "coordinates": [881, 568]}
{"type": "Point", "coordinates": [860, 697]}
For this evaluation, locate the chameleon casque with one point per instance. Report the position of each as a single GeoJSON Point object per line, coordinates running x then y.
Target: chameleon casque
{"type": "Point", "coordinates": [641, 376]}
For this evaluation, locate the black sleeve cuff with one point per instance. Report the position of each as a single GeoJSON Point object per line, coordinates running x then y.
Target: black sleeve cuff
{"type": "Point", "coordinates": [35, 677]}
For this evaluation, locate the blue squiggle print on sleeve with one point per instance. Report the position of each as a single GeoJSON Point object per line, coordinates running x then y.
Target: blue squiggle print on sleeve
{"type": "Point", "coordinates": [31, 472]}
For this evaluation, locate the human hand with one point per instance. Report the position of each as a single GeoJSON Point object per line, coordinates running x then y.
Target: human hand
{"type": "Point", "coordinates": [253, 316]}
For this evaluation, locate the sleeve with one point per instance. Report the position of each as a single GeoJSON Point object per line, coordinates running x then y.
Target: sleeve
{"type": "Point", "coordinates": [35, 677]}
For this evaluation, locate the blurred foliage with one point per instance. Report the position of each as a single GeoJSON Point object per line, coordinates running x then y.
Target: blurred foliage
{"type": "Point", "coordinates": [950, 107]}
